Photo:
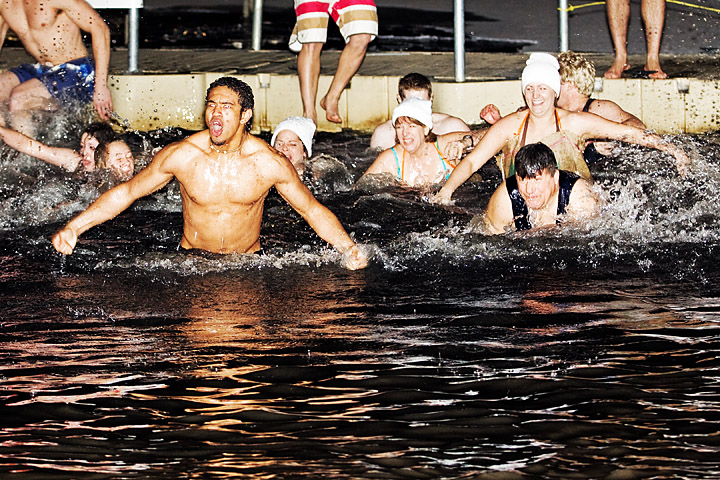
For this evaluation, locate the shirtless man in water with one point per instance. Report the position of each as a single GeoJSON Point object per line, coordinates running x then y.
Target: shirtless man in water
{"type": "Point", "coordinates": [51, 31]}
{"type": "Point", "coordinates": [225, 174]}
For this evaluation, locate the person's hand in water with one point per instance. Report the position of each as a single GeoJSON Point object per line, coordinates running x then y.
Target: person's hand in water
{"type": "Point", "coordinates": [441, 198]}
{"type": "Point", "coordinates": [65, 240]}
{"type": "Point", "coordinates": [355, 259]}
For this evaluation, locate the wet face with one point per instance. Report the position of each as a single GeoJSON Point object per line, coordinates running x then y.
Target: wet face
{"type": "Point", "coordinates": [120, 160]}
{"type": "Point", "coordinates": [539, 98]}
{"type": "Point", "coordinates": [223, 115]}
{"type": "Point", "coordinates": [538, 191]}
{"type": "Point", "coordinates": [88, 144]}
{"type": "Point", "coordinates": [289, 144]}
{"type": "Point", "coordinates": [410, 135]}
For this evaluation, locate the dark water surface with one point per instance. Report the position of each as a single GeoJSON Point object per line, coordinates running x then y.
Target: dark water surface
{"type": "Point", "coordinates": [586, 352]}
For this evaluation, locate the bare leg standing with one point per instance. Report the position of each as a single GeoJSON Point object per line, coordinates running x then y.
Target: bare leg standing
{"type": "Point", "coordinates": [653, 14]}
{"type": "Point", "coordinates": [618, 13]}
{"type": "Point", "coordinates": [351, 58]}
{"type": "Point", "coordinates": [309, 75]}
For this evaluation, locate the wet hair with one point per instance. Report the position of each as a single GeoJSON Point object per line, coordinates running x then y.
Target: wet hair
{"type": "Point", "coordinates": [101, 131]}
{"type": "Point", "coordinates": [430, 137]}
{"type": "Point", "coordinates": [577, 69]}
{"type": "Point", "coordinates": [243, 90]}
{"type": "Point", "coordinates": [102, 152]}
{"type": "Point", "coordinates": [414, 81]}
{"type": "Point", "coordinates": [532, 159]}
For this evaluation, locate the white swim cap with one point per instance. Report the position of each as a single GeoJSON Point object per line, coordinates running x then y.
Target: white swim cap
{"type": "Point", "coordinates": [303, 127]}
{"type": "Point", "coordinates": [542, 68]}
{"type": "Point", "coordinates": [419, 109]}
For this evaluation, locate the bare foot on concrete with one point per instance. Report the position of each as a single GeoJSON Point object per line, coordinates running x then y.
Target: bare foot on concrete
{"type": "Point", "coordinates": [654, 71]}
{"type": "Point", "coordinates": [331, 110]}
{"type": "Point", "coordinates": [617, 69]}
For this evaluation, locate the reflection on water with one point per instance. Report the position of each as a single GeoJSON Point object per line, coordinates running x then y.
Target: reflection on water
{"type": "Point", "coordinates": [588, 352]}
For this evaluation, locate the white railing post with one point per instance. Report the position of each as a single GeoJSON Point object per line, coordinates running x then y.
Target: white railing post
{"type": "Point", "coordinates": [564, 40]}
{"type": "Point", "coordinates": [257, 25]}
{"type": "Point", "coordinates": [459, 40]}
{"type": "Point", "coordinates": [133, 42]}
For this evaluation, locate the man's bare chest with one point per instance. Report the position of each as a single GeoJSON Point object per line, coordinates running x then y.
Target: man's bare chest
{"type": "Point", "coordinates": [32, 18]}
{"type": "Point", "coordinates": [208, 187]}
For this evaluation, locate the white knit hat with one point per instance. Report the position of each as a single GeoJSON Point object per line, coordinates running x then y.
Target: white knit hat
{"type": "Point", "coordinates": [303, 127]}
{"type": "Point", "coordinates": [542, 68]}
{"type": "Point", "coordinates": [417, 108]}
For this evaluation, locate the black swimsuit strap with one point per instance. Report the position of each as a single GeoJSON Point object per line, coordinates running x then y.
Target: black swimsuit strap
{"type": "Point", "coordinates": [586, 108]}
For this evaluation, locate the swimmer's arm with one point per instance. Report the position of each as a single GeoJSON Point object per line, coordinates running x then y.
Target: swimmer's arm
{"type": "Point", "coordinates": [383, 136]}
{"type": "Point", "coordinates": [62, 157]}
{"type": "Point", "coordinates": [321, 219]}
{"type": "Point", "coordinates": [456, 145]}
{"type": "Point", "coordinates": [489, 145]}
{"type": "Point", "coordinates": [115, 201]}
{"type": "Point", "coordinates": [499, 211]}
{"type": "Point", "coordinates": [612, 111]}
{"type": "Point", "coordinates": [583, 202]}
{"type": "Point", "coordinates": [88, 20]}
{"type": "Point", "coordinates": [597, 127]}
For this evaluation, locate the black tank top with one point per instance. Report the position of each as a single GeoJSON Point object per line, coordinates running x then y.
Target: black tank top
{"type": "Point", "coordinates": [519, 208]}
{"type": "Point", "coordinates": [590, 154]}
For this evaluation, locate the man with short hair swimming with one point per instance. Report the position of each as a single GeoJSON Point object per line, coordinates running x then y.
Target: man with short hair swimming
{"type": "Point", "coordinates": [538, 194]}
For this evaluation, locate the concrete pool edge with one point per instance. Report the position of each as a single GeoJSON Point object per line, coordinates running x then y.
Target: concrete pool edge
{"type": "Point", "coordinates": [152, 101]}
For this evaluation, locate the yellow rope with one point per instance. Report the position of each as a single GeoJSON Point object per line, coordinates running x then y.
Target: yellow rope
{"type": "Point", "coordinates": [684, 4]}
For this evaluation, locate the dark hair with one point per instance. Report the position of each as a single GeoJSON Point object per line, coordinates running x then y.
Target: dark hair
{"type": "Point", "coordinates": [414, 81]}
{"type": "Point", "coordinates": [532, 159]}
{"type": "Point", "coordinates": [101, 131]}
{"type": "Point", "coordinates": [243, 90]}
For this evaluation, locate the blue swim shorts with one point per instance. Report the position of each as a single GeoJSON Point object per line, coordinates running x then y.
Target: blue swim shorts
{"type": "Point", "coordinates": [74, 80]}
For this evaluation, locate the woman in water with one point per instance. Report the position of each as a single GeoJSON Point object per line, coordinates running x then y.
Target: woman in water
{"type": "Point", "coordinates": [293, 138]}
{"type": "Point", "coordinates": [563, 131]}
{"type": "Point", "coordinates": [415, 160]}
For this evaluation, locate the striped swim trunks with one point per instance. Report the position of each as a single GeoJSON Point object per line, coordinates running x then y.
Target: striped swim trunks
{"type": "Point", "coordinates": [351, 16]}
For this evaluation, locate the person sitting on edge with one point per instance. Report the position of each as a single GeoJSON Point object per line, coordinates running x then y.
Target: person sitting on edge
{"type": "Point", "coordinates": [115, 156]}
{"type": "Point", "coordinates": [293, 138]}
{"type": "Point", "coordinates": [538, 194]}
{"type": "Point", "coordinates": [415, 160]}
{"type": "Point", "coordinates": [563, 131]}
{"type": "Point", "coordinates": [66, 158]}
{"type": "Point", "coordinates": [51, 32]}
{"type": "Point", "coordinates": [416, 85]}
{"type": "Point", "coordinates": [577, 80]}
{"type": "Point", "coordinates": [225, 174]}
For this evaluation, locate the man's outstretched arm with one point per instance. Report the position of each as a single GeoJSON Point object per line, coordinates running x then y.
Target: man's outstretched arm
{"type": "Point", "coordinates": [114, 201]}
{"type": "Point", "coordinates": [320, 218]}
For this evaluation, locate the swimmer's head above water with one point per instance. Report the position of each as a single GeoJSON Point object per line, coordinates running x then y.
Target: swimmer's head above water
{"type": "Point", "coordinates": [94, 134]}
{"type": "Point", "coordinates": [293, 138]}
{"type": "Point", "coordinates": [115, 156]}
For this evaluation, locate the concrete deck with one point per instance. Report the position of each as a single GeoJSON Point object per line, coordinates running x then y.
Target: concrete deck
{"type": "Point", "coordinates": [169, 89]}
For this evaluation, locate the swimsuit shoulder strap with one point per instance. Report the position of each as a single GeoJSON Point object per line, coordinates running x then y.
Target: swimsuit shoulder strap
{"type": "Point", "coordinates": [397, 162]}
{"type": "Point", "coordinates": [586, 108]}
{"type": "Point", "coordinates": [558, 126]}
{"type": "Point", "coordinates": [524, 128]}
